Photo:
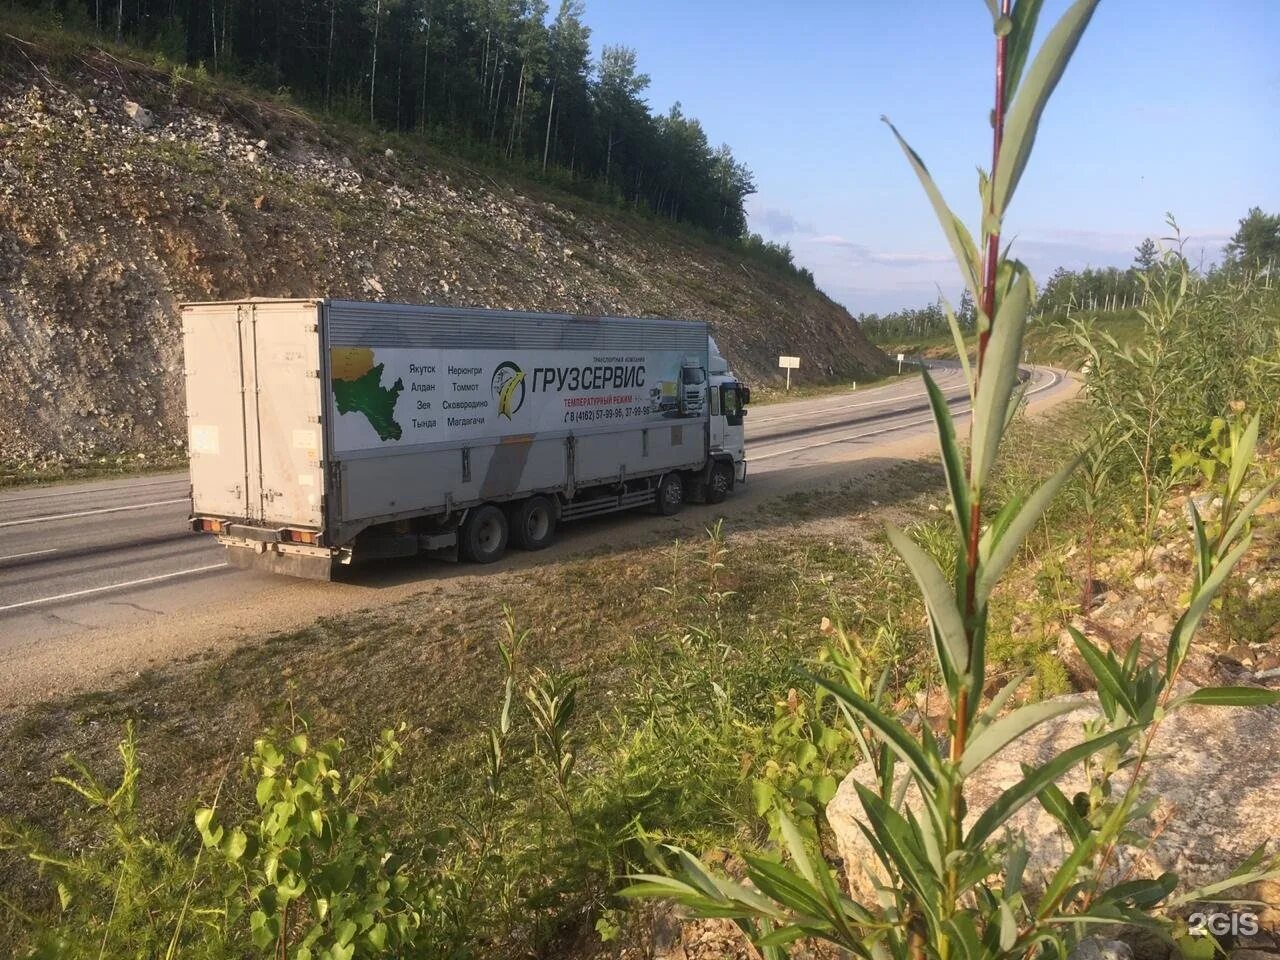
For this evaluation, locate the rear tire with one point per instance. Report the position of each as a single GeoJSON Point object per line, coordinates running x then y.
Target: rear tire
{"type": "Point", "coordinates": [720, 482]}
{"type": "Point", "coordinates": [671, 492]}
{"type": "Point", "coordinates": [533, 523]}
{"type": "Point", "coordinates": [483, 537]}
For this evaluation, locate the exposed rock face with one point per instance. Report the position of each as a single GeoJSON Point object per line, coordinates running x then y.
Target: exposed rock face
{"type": "Point", "coordinates": [1214, 773]}
{"type": "Point", "coordinates": [123, 193]}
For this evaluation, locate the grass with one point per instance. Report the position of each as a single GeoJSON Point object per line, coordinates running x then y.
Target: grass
{"type": "Point", "coordinates": [679, 665]}
{"type": "Point", "coordinates": [683, 656]}
{"type": "Point", "coordinates": [20, 474]}
{"type": "Point", "coordinates": [1048, 339]}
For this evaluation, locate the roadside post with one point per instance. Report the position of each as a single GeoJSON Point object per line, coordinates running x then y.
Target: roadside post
{"type": "Point", "coordinates": [901, 358]}
{"type": "Point", "coordinates": [788, 364]}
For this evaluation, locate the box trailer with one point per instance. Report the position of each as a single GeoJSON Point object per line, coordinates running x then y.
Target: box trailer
{"type": "Point", "coordinates": [322, 431]}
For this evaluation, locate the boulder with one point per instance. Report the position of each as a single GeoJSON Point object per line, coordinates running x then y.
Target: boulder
{"type": "Point", "coordinates": [142, 117]}
{"type": "Point", "coordinates": [1213, 771]}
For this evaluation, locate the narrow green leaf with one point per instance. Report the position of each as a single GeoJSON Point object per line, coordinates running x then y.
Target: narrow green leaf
{"type": "Point", "coordinates": [939, 599]}
{"type": "Point", "coordinates": [1228, 697]}
{"type": "Point", "coordinates": [1025, 15]}
{"type": "Point", "coordinates": [1204, 556]}
{"type": "Point", "coordinates": [1106, 671]}
{"type": "Point", "coordinates": [1023, 118]}
{"type": "Point", "coordinates": [1008, 926]}
{"type": "Point", "coordinates": [1243, 517]}
{"type": "Point", "coordinates": [998, 376]}
{"type": "Point", "coordinates": [795, 846]}
{"type": "Point", "coordinates": [1057, 805]}
{"type": "Point", "coordinates": [1067, 874]}
{"type": "Point", "coordinates": [894, 734]}
{"type": "Point", "coordinates": [1016, 396]}
{"type": "Point", "coordinates": [1004, 546]}
{"type": "Point", "coordinates": [1189, 622]}
{"type": "Point", "coordinates": [1143, 894]}
{"type": "Point", "coordinates": [900, 847]}
{"type": "Point", "coordinates": [962, 349]}
{"type": "Point", "coordinates": [1242, 456]}
{"type": "Point", "coordinates": [1026, 789]}
{"type": "Point", "coordinates": [952, 460]}
{"type": "Point", "coordinates": [992, 710]}
{"type": "Point", "coordinates": [1004, 731]}
{"type": "Point", "coordinates": [958, 236]}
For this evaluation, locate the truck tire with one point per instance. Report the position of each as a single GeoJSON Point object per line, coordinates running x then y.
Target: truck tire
{"type": "Point", "coordinates": [533, 523]}
{"type": "Point", "coordinates": [720, 482]}
{"type": "Point", "coordinates": [670, 496]}
{"type": "Point", "coordinates": [483, 537]}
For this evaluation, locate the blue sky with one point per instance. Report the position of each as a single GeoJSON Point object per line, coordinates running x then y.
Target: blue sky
{"type": "Point", "coordinates": [1168, 106]}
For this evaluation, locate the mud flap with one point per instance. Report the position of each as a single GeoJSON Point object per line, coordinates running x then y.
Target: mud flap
{"type": "Point", "coordinates": [314, 564]}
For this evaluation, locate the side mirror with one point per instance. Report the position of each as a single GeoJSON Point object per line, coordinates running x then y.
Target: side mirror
{"type": "Point", "coordinates": [745, 392]}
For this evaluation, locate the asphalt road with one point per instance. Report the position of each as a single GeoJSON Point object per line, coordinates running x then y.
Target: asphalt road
{"type": "Point", "coordinates": [99, 556]}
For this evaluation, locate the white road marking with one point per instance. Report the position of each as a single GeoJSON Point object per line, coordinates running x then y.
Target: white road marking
{"type": "Point", "coordinates": [834, 409]}
{"type": "Point", "coordinates": [76, 489]}
{"type": "Point", "coordinates": [92, 513]}
{"type": "Point", "coordinates": [114, 586]}
{"type": "Point", "coordinates": [828, 443]}
{"type": "Point", "coordinates": [29, 553]}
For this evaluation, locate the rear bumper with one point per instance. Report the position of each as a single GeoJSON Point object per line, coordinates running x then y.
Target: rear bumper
{"type": "Point", "coordinates": [287, 559]}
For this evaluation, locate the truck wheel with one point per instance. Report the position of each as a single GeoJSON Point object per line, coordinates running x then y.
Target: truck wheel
{"type": "Point", "coordinates": [720, 482]}
{"type": "Point", "coordinates": [483, 537]}
{"type": "Point", "coordinates": [533, 523]}
{"type": "Point", "coordinates": [670, 495]}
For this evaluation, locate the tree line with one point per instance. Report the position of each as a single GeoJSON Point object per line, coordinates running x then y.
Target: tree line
{"type": "Point", "coordinates": [500, 74]}
{"type": "Point", "coordinates": [1254, 248]}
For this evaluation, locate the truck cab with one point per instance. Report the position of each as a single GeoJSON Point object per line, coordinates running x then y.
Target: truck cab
{"type": "Point", "coordinates": [728, 398]}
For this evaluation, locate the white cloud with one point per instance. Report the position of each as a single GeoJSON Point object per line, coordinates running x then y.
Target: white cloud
{"type": "Point", "coordinates": [859, 253]}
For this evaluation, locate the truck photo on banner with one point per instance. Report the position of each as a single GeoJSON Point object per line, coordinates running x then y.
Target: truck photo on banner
{"type": "Point", "coordinates": [393, 396]}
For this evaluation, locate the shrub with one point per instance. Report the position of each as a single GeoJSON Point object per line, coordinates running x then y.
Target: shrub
{"type": "Point", "coordinates": [952, 890]}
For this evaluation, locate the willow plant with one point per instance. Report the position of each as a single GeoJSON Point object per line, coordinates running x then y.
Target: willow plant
{"type": "Point", "coordinates": [950, 885]}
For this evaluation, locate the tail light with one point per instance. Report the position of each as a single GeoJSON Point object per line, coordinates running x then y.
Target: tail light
{"type": "Point", "coordinates": [209, 526]}
{"type": "Point", "coordinates": [298, 536]}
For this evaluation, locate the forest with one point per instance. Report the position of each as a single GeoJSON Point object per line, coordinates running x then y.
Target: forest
{"type": "Point", "coordinates": [502, 77]}
{"type": "Point", "coordinates": [1254, 250]}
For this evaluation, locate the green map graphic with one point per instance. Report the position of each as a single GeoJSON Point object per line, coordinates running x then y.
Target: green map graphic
{"type": "Point", "coordinates": [367, 395]}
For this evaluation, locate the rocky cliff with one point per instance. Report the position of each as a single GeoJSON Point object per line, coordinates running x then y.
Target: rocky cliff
{"type": "Point", "coordinates": [126, 189]}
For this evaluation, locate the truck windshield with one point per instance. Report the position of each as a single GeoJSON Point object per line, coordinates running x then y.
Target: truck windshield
{"type": "Point", "coordinates": [693, 375]}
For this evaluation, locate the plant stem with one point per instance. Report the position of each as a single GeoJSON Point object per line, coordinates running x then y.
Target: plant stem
{"type": "Point", "coordinates": [960, 708]}
{"type": "Point", "coordinates": [992, 256]}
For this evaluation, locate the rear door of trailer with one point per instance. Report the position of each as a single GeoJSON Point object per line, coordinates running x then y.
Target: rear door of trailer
{"type": "Point", "coordinates": [254, 376]}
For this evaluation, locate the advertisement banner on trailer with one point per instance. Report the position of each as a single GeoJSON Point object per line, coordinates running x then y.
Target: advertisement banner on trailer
{"type": "Point", "coordinates": [386, 397]}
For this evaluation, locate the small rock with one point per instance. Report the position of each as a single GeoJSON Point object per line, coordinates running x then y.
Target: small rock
{"type": "Point", "coordinates": [1095, 948]}
{"type": "Point", "coordinates": [390, 153]}
{"type": "Point", "coordinates": [262, 144]}
{"type": "Point", "coordinates": [1241, 654]}
{"type": "Point", "coordinates": [142, 117]}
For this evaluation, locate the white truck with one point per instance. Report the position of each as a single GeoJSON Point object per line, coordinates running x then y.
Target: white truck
{"type": "Point", "coordinates": [321, 431]}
